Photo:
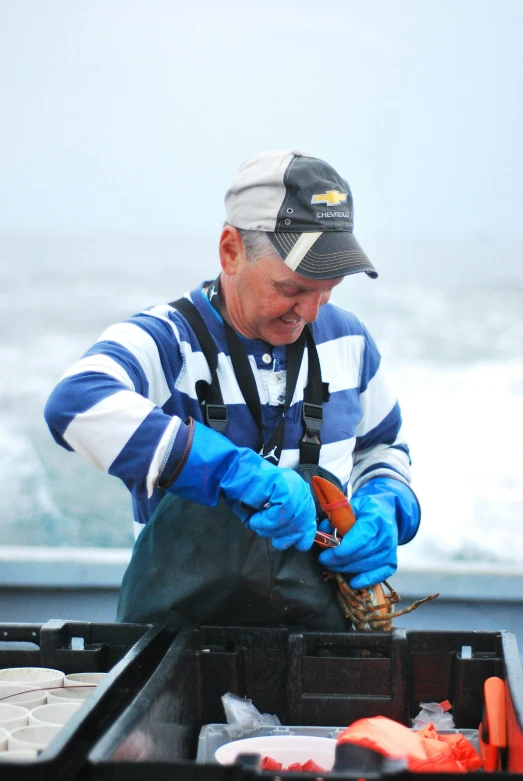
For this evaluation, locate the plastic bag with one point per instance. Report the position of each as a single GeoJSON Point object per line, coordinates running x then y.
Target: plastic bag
{"type": "Point", "coordinates": [436, 713]}
{"type": "Point", "coordinates": [242, 717]}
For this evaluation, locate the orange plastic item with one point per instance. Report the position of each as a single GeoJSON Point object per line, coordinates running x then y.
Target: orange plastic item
{"type": "Point", "coordinates": [268, 763]}
{"type": "Point", "coordinates": [461, 748]}
{"type": "Point", "coordinates": [425, 751]}
{"type": "Point", "coordinates": [310, 766]}
{"type": "Point", "coordinates": [493, 728]}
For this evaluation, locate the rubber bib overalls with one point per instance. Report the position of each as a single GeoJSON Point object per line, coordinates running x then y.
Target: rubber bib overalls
{"type": "Point", "coordinates": [194, 565]}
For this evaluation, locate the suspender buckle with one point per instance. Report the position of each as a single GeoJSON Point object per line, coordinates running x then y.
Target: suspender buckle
{"type": "Point", "coordinates": [312, 416]}
{"type": "Point", "coordinates": [216, 417]}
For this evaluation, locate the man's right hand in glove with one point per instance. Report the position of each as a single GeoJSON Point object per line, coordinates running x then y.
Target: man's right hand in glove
{"type": "Point", "coordinates": [213, 467]}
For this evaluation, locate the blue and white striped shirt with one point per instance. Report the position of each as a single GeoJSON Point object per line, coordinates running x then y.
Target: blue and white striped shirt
{"type": "Point", "coordinates": [122, 406]}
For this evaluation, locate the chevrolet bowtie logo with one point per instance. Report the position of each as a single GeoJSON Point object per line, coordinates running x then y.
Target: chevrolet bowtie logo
{"type": "Point", "coordinates": [330, 198]}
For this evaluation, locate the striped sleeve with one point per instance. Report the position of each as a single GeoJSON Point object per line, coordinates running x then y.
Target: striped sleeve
{"type": "Point", "coordinates": [108, 406]}
{"type": "Point", "coordinates": [380, 450]}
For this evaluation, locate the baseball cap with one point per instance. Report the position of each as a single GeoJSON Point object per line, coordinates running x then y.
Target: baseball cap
{"type": "Point", "coordinates": [306, 209]}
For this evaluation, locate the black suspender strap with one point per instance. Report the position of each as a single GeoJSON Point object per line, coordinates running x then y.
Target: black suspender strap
{"type": "Point", "coordinates": [215, 411]}
{"type": "Point", "coordinates": [312, 410]}
{"type": "Point", "coordinates": [243, 372]}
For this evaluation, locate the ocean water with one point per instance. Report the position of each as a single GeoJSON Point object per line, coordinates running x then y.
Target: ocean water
{"type": "Point", "coordinates": [452, 345]}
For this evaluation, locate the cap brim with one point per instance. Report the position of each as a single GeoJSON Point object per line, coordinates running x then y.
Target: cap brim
{"type": "Point", "coordinates": [332, 254]}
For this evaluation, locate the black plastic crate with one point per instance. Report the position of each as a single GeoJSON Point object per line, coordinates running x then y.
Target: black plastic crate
{"type": "Point", "coordinates": [308, 679]}
{"type": "Point", "coordinates": [128, 653]}
{"type": "Point", "coordinates": [71, 646]}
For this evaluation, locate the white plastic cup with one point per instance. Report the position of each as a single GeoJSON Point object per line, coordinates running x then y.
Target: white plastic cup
{"type": "Point", "coordinates": [42, 677]}
{"type": "Point", "coordinates": [32, 738]}
{"type": "Point", "coordinates": [283, 748]}
{"type": "Point", "coordinates": [19, 694]}
{"type": "Point", "coordinates": [17, 756]}
{"type": "Point", "coordinates": [70, 694]}
{"type": "Point", "coordinates": [4, 735]}
{"type": "Point", "coordinates": [13, 716]}
{"type": "Point", "coordinates": [57, 714]}
{"type": "Point", "coordinates": [84, 679]}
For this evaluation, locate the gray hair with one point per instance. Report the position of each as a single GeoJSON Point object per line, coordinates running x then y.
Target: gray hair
{"type": "Point", "coordinates": [256, 245]}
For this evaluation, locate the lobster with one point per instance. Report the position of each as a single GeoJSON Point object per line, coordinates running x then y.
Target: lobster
{"type": "Point", "coordinates": [370, 608]}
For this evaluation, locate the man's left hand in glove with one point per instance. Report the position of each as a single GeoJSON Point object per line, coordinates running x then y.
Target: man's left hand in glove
{"type": "Point", "coordinates": [387, 514]}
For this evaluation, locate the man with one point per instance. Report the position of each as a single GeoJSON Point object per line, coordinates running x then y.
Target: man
{"type": "Point", "coordinates": [215, 411]}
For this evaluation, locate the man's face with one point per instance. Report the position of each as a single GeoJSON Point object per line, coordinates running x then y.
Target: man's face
{"type": "Point", "coordinates": [273, 303]}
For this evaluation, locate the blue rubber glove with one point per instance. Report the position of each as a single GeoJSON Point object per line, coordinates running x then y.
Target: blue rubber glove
{"type": "Point", "coordinates": [387, 514]}
{"type": "Point", "coordinates": [216, 468]}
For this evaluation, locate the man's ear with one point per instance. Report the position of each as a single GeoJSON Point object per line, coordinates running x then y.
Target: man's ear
{"type": "Point", "coordinates": [231, 250]}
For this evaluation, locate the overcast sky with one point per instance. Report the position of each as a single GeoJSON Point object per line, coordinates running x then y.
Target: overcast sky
{"type": "Point", "coordinates": [132, 115]}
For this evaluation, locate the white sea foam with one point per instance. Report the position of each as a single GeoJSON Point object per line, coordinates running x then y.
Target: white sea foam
{"type": "Point", "coordinates": [24, 485]}
{"type": "Point", "coordinates": [465, 429]}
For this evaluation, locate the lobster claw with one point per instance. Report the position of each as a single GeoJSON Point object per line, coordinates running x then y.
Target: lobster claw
{"type": "Point", "coordinates": [335, 505]}
{"type": "Point", "coordinates": [369, 608]}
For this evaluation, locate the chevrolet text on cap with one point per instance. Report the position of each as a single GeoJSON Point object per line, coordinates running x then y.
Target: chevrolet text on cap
{"type": "Point", "coordinates": [306, 209]}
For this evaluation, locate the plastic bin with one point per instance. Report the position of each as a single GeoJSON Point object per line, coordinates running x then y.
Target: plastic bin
{"type": "Point", "coordinates": [213, 736]}
{"type": "Point", "coordinates": [129, 653]}
{"type": "Point", "coordinates": [315, 680]}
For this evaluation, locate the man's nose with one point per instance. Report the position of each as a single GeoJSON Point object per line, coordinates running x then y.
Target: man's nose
{"type": "Point", "coordinates": [309, 306]}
